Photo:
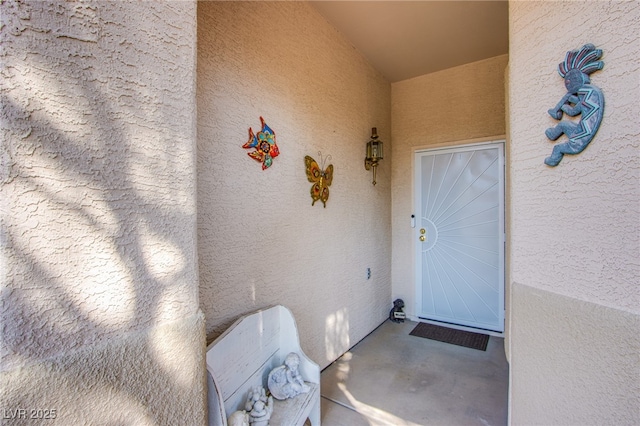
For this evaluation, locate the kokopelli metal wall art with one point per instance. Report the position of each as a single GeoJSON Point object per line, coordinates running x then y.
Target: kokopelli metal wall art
{"type": "Point", "coordinates": [581, 98]}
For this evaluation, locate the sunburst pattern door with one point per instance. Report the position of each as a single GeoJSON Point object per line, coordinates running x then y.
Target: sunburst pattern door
{"type": "Point", "coordinates": [459, 235]}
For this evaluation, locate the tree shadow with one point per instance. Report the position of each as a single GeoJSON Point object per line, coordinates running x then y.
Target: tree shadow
{"type": "Point", "coordinates": [99, 200]}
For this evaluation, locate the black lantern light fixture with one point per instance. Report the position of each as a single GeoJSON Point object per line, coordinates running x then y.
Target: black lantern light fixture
{"type": "Point", "coordinates": [374, 153]}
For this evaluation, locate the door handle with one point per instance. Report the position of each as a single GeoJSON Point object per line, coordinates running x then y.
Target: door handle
{"type": "Point", "coordinates": [422, 238]}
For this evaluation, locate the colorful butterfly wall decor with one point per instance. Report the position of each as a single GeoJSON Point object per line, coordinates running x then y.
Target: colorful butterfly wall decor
{"type": "Point", "coordinates": [265, 145]}
{"type": "Point", "coordinates": [320, 177]}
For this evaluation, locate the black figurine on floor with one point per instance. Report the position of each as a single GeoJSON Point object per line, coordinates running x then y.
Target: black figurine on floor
{"type": "Point", "coordinates": [397, 314]}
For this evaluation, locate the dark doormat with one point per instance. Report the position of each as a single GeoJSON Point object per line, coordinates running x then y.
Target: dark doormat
{"type": "Point", "coordinates": [467, 339]}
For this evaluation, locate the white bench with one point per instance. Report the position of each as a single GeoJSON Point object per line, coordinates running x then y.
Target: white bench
{"type": "Point", "coordinates": [242, 358]}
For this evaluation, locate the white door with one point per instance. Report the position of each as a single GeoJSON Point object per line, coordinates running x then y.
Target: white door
{"type": "Point", "coordinates": [459, 235]}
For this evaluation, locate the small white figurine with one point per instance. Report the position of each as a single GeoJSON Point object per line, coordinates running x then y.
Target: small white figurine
{"type": "Point", "coordinates": [239, 418]}
{"type": "Point", "coordinates": [259, 407]}
{"type": "Point", "coordinates": [285, 381]}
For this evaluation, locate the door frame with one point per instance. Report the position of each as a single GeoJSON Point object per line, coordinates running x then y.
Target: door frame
{"type": "Point", "coordinates": [500, 142]}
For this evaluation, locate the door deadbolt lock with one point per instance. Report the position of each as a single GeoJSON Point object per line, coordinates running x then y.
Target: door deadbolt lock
{"type": "Point", "coordinates": [423, 231]}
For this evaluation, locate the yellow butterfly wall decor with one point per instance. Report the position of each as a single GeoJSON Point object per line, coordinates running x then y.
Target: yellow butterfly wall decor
{"type": "Point", "coordinates": [320, 178]}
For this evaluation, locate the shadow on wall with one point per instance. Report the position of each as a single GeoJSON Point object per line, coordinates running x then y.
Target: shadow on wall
{"type": "Point", "coordinates": [98, 248]}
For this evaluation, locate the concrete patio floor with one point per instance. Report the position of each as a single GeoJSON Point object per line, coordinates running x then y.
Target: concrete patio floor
{"type": "Point", "coordinates": [393, 378]}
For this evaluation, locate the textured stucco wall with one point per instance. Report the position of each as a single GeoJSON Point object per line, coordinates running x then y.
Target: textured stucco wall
{"type": "Point", "coordinates": [439, 109]}
{"type": "Point", "coordinates": [146, 378]}
{"type": "Point", "coordinates": [574, 228]}
{"type": "Point", "coordinates": [260, 241]}
{"type": "Point", "coordinates": [573, 362]}
{"type": "Point", "coordinates": [98, 211]}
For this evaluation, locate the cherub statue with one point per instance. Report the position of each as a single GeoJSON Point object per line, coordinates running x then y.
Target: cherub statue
{"type": "Point", "coordinates": [581, 98]}
{"type": "Point", "coordinates": [285, 381]}
{"type": "Point", "coordinates": [258, 407]}
{"type": "Point", "coordinates": [238, 418]}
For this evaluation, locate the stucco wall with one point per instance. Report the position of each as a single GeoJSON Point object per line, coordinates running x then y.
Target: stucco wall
{"type": "Point", "coordinates": [575, 230]}
{"type": "Point", "coordinates": [261, 242]}
{"type": "Point", "coordinates": [99, 305]}
{"type": "Point", "coordinates": [458, 105]}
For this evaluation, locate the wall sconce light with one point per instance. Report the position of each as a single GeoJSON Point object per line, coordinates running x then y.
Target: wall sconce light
{"type": "Point", "coordinates": [374, 153]}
